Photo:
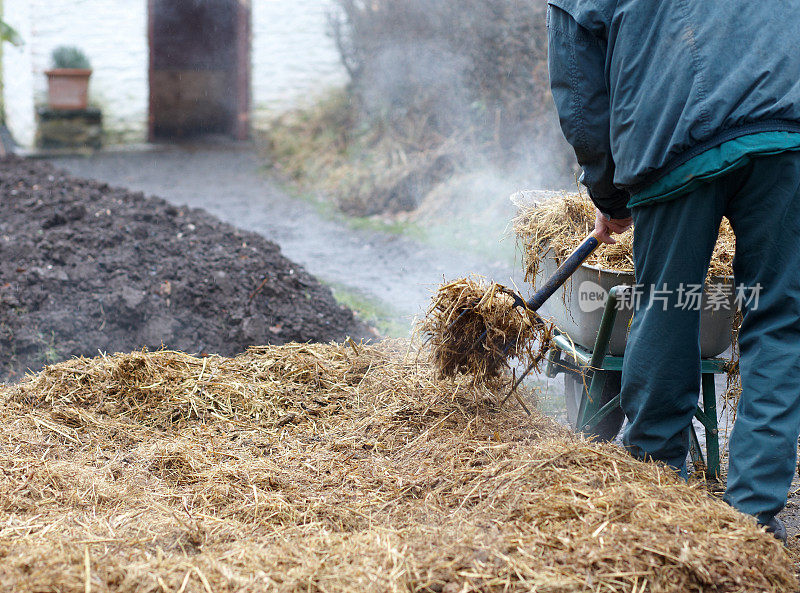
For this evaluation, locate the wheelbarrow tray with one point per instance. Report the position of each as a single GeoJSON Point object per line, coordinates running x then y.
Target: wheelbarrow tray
{"type": "Point", "coordinates": [574, 312]}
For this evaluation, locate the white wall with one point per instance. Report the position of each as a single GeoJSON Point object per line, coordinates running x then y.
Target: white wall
{"type": "Point", "coordinates": [112, 33]}
{"type": "Point", "coordinates": [293, 58]}
{"type": "Point", "coordinates": [18, 75]}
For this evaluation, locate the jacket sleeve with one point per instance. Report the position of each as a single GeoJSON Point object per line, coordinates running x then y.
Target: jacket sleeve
{"type": "Point", "coordinates": [577, 79]}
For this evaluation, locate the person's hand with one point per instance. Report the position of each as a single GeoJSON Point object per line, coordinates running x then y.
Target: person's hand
{"type": "Point", "coordinates": [605, 227]}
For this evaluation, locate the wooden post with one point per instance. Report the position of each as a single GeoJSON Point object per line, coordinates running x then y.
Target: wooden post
{"type": "Point", "coordinates": [243, 44]}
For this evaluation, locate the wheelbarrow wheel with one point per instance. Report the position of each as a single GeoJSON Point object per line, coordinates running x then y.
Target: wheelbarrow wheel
{"type": "Point", "coordinates": [575, 391]}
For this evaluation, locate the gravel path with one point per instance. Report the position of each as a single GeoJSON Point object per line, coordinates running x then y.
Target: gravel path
{"type": "Point", "coordinates": [230, 183]}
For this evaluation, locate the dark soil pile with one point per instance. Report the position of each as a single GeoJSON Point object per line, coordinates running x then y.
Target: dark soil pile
{"type": "Point", "coordinates": [86, 267]}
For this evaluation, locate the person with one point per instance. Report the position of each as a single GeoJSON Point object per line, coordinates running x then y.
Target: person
{"type": "Point", "coordinates": [681, 113]}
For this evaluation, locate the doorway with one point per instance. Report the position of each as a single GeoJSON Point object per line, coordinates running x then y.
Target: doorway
{"type": "Point", "coordinates": [199, 68]}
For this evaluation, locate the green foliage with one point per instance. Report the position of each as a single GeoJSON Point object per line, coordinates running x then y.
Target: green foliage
{"type": "Point", "coordinates": [372, 311]}
{"type": "Point", "coordinates": [9, 34]}
{"type": "Point", "coordinates": [70, 57]}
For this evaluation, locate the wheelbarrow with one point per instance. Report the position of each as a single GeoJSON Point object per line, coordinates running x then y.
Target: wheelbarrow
{"type": "Point", "coordinates": [588, 350]}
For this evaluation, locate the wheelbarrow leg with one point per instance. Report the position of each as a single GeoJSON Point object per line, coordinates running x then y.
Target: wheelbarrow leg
{"type": "Point", "coordinates": [711, 426]}
{"type": "Point", "coordinates": [707, 415]}
{"type": "Point", "coordinates": [591, 404]}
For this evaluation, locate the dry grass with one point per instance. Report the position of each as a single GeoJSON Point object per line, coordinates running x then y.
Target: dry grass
{"type": "Point", "coordinates": [336, 468]}
{"type": "Point", "coordinates": [365, 170]}
{"type": "Point", "coordinates": [473, 328]}
{"type": "Point", "coordinates": [560, 224]}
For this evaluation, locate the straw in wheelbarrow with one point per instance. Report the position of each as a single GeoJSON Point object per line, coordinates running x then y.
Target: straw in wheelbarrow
{"type": "Point", "coordinates": [474, 328]}
{"type": "Point", "coordinates": [561, 222]}
{"type": "Point", "coordinates": [558, 223]}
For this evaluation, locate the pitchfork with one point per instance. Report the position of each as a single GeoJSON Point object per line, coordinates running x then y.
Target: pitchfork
{"type": "Point", "coordinates": [559, 277]}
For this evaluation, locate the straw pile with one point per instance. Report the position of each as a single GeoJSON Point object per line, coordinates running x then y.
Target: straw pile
{"type": "Point", "coordinates": [336, 468]}
{"type": "Point", "coordinates": [562, 223]}
{"type": "Point", "coordinates": [461, 312]}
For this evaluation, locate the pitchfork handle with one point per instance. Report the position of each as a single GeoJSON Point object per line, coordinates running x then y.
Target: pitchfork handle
{"type": "Point", "coordinates": [565, 270]}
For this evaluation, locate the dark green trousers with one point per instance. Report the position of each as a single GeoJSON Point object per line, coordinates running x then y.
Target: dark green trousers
{"type": "Point", "coordinates": [661, 377]}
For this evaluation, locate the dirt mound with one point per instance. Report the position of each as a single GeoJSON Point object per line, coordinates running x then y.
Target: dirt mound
{"type": "Point", "coordinates": [338, 468]}
{"type": "Point", "coordinates": [86, 267]}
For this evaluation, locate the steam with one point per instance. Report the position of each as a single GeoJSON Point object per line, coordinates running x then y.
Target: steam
{"type": "Point", "coordinates": [467, 79]}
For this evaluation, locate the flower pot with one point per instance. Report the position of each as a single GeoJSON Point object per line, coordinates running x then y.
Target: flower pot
{"type": "Point", "coordinates": [68, 88]}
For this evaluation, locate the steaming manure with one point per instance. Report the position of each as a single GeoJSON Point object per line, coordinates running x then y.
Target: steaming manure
{"type": "Point", "coordinates": [160, 471]}
{"type": "Point", "coordinates": [473, 328]}
{"type": "Point", "coordinates": [558, 225]}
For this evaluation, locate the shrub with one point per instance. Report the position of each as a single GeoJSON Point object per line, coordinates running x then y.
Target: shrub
{"type": "Point", "coordinates": [70, 57]}
{"type": "Point", "coordinates": [439, 91]}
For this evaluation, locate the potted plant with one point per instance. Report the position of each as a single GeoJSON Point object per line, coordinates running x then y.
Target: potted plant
{"type": "Point", "coordinates": [68, 81]}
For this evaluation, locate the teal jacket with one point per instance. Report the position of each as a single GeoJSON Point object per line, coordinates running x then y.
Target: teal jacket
{"type": "Point", "coordinates": [643, 87]}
